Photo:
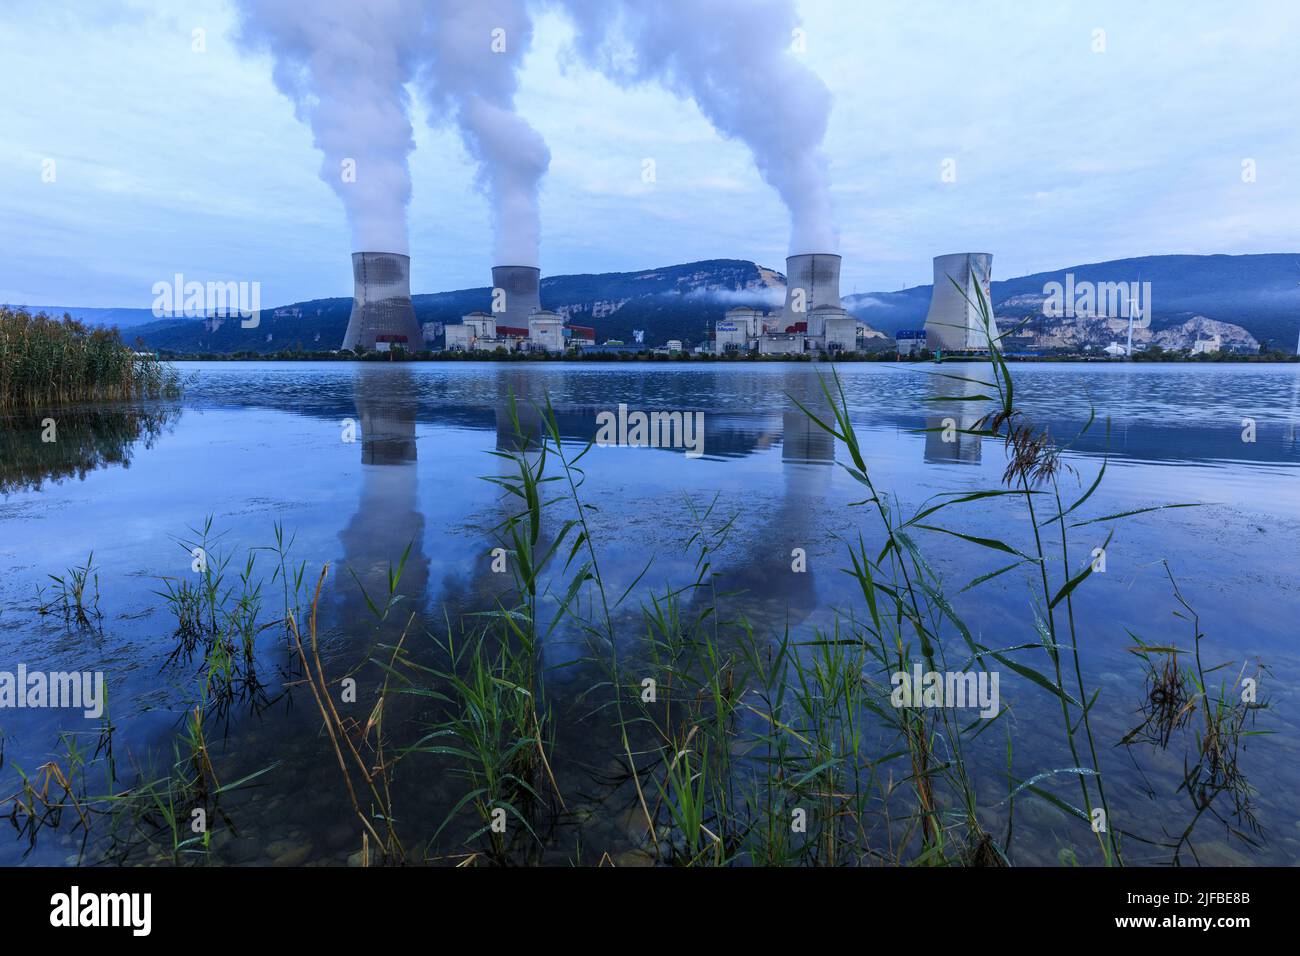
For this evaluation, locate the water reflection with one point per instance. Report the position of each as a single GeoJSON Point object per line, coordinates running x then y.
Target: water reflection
{"type": "Point", "coordinates": [72, 443]}
{"type": "Point", "coordinates": [956, 412]}
{"type": "Point", "coordinates": [1179, 413]}
{"type": "Point", "coordinates": [388, 518]}
{"type": "Point", "coordinates": [775, 579]}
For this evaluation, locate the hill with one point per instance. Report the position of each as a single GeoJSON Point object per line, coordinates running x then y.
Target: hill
{"type": "Point", "coordinates": [1260, 293]}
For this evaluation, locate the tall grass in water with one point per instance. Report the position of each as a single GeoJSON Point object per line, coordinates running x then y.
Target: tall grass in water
{"type": "Point", "coordinates": [76, 593]}
{"type": "Point", "coordinates": [1213, 780]}
{"type": "Point", "coordinates": [46, 361]}
{"type": "Point", "coordinates": [788, 749]}
{"type": "Point", "coordinates": [495, 725]}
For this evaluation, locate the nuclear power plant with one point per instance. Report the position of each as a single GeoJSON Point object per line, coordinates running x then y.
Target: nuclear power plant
{"type": "Point", "coordinates": [519, 288]}
{"type": "Point", "coordinates": [954, 322]}
{"type": "Point", "coordinates": [811, 321]}
{"type": "Point", "coordinates": [382, 315]}
{"type": "Point", "coordinates": [517, 322]}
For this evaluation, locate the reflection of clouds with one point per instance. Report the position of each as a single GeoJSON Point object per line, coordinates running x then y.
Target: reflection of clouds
{"type": "Point", "coordinates": [956, 416]}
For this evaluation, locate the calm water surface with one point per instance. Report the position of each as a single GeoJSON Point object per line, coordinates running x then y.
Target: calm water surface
{"type": "Point", "coordinates": [253, 444]}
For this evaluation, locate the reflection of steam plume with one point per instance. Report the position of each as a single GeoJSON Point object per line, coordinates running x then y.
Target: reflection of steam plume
{"type": "Point", "coordinates": [345, 64]}
{"type": "Point", "coordinates": [761, 576]}
{"type": "Point", "coordinates": [477, 49]}
{"type": "Point", "coordinates": [733, 58]}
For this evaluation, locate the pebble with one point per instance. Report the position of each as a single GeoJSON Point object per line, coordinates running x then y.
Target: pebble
{"type": "Point", "coordinates": [339, 836]}
{"type": "Point", "coordinates": [634, 858]}
{"type": "Point", "coordinates": [293, 857]}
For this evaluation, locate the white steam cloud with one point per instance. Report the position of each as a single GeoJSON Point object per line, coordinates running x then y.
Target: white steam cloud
{"type": "Point", "coordinates": [345, 64]}
{"type": "Point", "coordinates": [471, 77]}
{"type": "Point", "coordinates": [734, 58]}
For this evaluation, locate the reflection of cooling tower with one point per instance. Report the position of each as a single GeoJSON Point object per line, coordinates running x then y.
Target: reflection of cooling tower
{"type": "Point", "coordinates": [388, 434]}
{"type": "Point", "coordinates": [818, 275]}
{"type": "Point", "coordinates": [522, 298]}
{"type": "Point", "coordinates": [388, 518]}
{"type": "Point", "coordinates": [954, 322]}
{"type": "Point", "coordinates": [804, 441]}
{"type": "Point", "coordinates": [945, 440]}
{"type": "Point", "coordinates": [529, 433]}
{"type": "Point", "coordinates": [382, 314]}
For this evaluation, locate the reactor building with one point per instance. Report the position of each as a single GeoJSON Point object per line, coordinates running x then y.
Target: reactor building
{"type": "Point", "coordinates": [382, 315]}
{"type": "Point", "coordinates": [517, 322]}
{"type": "Point", "coordinates": [811, 321]}
{"type": "Point", "coordinates": [954, 322]}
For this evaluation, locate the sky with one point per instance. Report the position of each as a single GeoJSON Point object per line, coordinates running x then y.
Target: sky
{"type": "Point", "coordinates": [1013, 128]}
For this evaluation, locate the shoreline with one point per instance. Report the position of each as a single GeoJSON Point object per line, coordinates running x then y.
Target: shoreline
{"type": "Point", "coordinates": [1273, 358]}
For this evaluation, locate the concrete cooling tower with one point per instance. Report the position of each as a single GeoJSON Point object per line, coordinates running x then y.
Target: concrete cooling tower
{"type": "Point", "coordinates": [521, 285]}
{"type": "Point", "coordinates": [382, 314]}
{"type": "Point", "coordinates": [954, 323]}
{"type": "Point", "coordinates": [818, 275]}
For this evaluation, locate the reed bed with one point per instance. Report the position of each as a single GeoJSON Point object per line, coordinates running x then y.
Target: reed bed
{"type": "Point", "coordinates": [45, 362]}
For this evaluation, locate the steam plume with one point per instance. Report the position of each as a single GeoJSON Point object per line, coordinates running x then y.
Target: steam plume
{"type": "Point", "coordinates": [345, 64]}
{"type": "Point", "coordinates": [472, 77]}
{"type": "Point", "coordinates": [734, 58]}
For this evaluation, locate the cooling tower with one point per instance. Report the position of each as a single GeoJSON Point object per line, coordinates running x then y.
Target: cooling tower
{"type": "Point", "coordinates": [522, 298]}
{"type": "Point", "coordinates": [818, 275]}
{"type": "Point", "coordinates": [954, 322]}
{"type": "Point", "coordinates": [382, 314]}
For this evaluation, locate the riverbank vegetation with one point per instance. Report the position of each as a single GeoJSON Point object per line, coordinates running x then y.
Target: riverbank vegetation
{"type": "Point", "coordinates": [648, 355]}
{"type": "Point", "coordinates": [45, 362]}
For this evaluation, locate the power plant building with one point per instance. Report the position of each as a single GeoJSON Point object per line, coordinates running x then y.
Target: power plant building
{"type": "Point", "coordinates": [811, 321]}
{"type": "Point", "coordinates": [910, 341]}
{"type": "Point", "coordinates": [382, 315]}
{"type": "Point", "coordinates": [954, 322]}
{"type": "Point", "coordinates": [545, 332]}
{"type": "Point", "coordinates": [517, 322]}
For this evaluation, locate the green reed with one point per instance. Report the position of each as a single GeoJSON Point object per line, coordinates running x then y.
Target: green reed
{"type": "Point", "coordinates": [46, 362]}
{"type": "Point", "coordinates": [76, 594]}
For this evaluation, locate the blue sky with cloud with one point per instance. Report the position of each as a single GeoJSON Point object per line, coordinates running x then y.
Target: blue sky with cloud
{"type": "Point", "coordinates": [167, 160]}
